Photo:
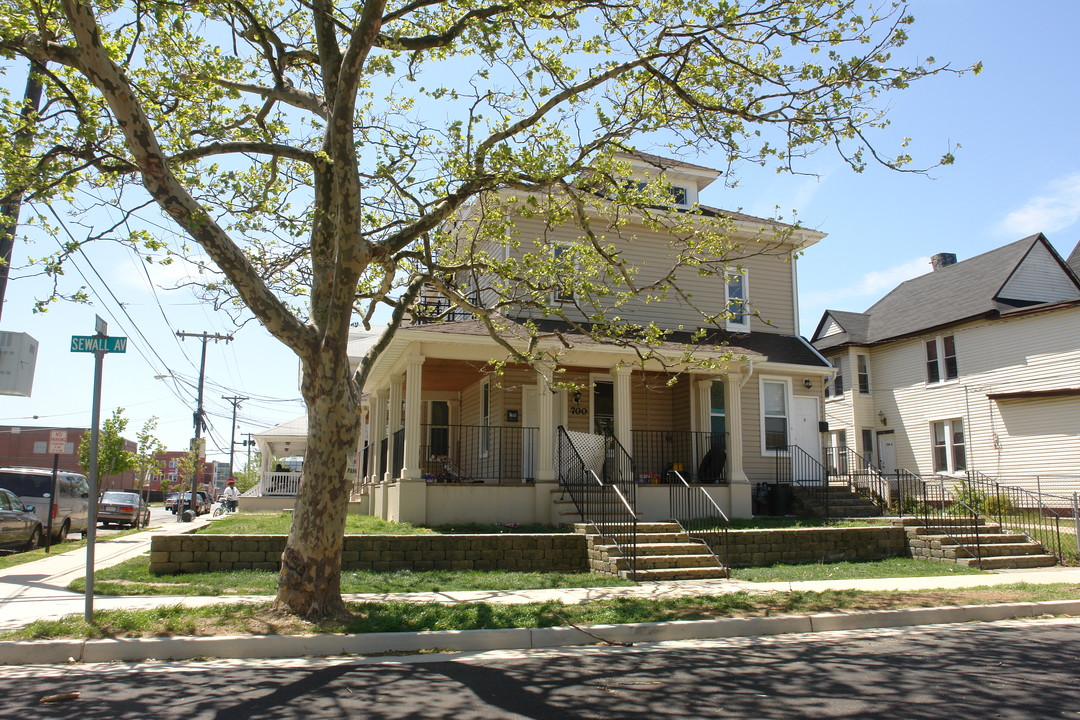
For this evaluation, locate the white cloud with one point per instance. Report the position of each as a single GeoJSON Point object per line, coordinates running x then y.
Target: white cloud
{"type": "Point", "coordinates": [1055, 209]}
{"type": "Point", "coordinates": [860, 295]}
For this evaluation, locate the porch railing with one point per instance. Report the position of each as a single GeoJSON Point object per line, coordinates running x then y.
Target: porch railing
{"type": "Point", "coordinates": [694, 508]}
{"type": "Point", "coordinates": [847, 467]}
{"type": "Point", "coordinates": [698, 457]}
{"type": "Point", "coordinates": [794, 467]}
{"type": "Point", "coordinates": [1018, 509]}
{"type": "Point", "coordinates": [936, 504]}
{"type": "Point", "coordinates": [601, 504]}
{"type": "Point", "coordinates": [477, 453]}
{"type": "Point", "coordinates": [281, 484]}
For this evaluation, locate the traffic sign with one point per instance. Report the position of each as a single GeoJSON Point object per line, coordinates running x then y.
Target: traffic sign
{"type": "Point", "coordinates": [94, 343]}
{"type": "Point", "coordinates": [57, 442]}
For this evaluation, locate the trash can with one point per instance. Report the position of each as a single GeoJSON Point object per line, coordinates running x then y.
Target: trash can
{"type": "Point", "coordinates": [759, 502]}
{"type": "Point", "coordinates": [781, 499]}
{"type": "Point", "coordinates": [189, 515]}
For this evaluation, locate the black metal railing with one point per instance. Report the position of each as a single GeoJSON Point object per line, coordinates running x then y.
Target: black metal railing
{"type": "Point", "coordinates": [699, 457]}
{"type": "Point", "coordinates": [619, 469]}
{"type": "Point", "coordinates": [1015, 508]}
{"type": "Point", "coordinates": [601, 504]}
{"type": "Point", "coordinates": [439, 311]}
{"type": "Point", "coordinates": [397, 459]}
{"type": "Point", "coordinates": [478, 453]}
{"type": "Point", "coordinates": [937, 506]}
{"type": "Point", "coordinates": [794, 467]}
{"type": "Point", "coordinates": [848, 468]}
{"type": "Point", "coordinates": [701, 518]}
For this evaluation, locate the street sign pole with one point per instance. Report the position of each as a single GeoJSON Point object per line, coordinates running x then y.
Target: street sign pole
{"type": "Point", "coordinates": [57, 445]}
{"type": "Point", "coordinates": [91, 523]}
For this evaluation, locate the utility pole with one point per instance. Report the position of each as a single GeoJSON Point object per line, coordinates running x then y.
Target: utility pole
{"type": "Point", "coordinates": [199, 423]}
{"type": "Point", "coordinates": [248, 444]}
{"type": "Point", "coordinates": [235, 400]}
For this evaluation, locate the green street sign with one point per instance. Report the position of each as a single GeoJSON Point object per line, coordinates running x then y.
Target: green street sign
{"type": "Point", "coordinates": [94, 343]}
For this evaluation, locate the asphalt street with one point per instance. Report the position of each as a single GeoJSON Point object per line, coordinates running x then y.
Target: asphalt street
{"type": "Point", "coordinates": [1010, 670]}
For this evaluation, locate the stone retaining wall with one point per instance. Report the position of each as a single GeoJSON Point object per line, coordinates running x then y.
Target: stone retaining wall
{"type": "Point", "coordinates": [756, 548]}
{"type": "Point", "coordinates": [547, 552]}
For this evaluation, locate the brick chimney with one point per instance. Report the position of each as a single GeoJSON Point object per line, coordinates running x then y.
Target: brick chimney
{"type": "Point", "coordinates": [942, 260]}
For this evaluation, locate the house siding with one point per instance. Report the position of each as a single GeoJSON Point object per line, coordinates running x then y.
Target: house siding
{"type": "Point", "coordinates": [1019, 438]}
{"type": "Point", "coordinates": [769, 280]}
{"type": "Point", "coordinates": [1039, 279]}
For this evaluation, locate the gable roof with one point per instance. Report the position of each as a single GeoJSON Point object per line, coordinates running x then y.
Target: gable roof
{"type": "Point", "coordinates": [990, 284]}
{"type": "Point", "coordinates": [1074, 260]}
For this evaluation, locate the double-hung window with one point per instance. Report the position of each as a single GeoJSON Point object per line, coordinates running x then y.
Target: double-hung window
{"type": "Point", "coordinates": [948, 446]}
{"type": "Point", "coordinates": [563, 293]}
{"type": "Point", "coordinates": [836, 387]}
{"type": "Point", "coordinates": [736, 297]}
{"type": "Point", "coordinates": [775, 415]}
{"type": "Point", "coordinates": [941, 359]}
{"type": "Point", "coordinates": [863, 372]}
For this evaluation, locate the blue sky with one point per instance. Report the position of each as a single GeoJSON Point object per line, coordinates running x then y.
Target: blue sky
{"type": "Point", "coordinates": [1017, 172]}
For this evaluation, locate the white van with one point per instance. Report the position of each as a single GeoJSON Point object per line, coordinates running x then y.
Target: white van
{"type": "Point", "coordinates": [71, 511]}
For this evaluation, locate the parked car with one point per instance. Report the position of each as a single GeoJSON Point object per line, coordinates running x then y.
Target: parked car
{"type": "Point", "coordinates": [185, 502]}
{"type": "Point", "coordinates": [33, 486]}
{"type": "Point", "coordinates": [123, 508]}
{"type": "Point", "coordinates": [20, 528]}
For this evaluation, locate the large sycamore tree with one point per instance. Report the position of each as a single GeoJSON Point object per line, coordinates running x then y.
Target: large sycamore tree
{"type": "Point", "coordinates": [332, 162]}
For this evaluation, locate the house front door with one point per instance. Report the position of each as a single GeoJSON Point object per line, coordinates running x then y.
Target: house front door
{"type": "Point", "coordinates": [805, 432]}
{"type": "Point", "coordinates": [886, 447]}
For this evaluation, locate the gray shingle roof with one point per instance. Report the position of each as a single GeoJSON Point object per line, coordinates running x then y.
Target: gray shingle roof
{"type": "Point", "coordinates": [951, 294]}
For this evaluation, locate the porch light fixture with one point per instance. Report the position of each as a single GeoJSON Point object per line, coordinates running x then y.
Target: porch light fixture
{"type": "Point", "coordinates": [881, 415]}
{"type": "Point", "coordinates": [577, 397]}
{"type": "Point", "coordinates": [807, 383]}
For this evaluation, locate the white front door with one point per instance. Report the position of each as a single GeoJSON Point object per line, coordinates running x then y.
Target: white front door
{"type": "Point", "coordinates": [806, 433]}
{"type": "Point", "coordinates": [886, 447]}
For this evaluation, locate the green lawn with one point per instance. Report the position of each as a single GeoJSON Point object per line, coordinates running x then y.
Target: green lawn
{"type": "Point", "coordinates": [133, 577]}
{"type": "Point", "coordinates": [229, 619]}
{"type": "Point", "coordinates": [279, 524]}
{"type": "Point", "coordinates": [888, 568]}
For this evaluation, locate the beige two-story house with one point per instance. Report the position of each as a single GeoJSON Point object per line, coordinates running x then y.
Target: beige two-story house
{"type": "Point", "coordinates": [972, 367]}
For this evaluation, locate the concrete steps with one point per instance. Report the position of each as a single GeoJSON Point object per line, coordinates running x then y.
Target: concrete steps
{"type": "Point", "coordinates": [960, 542]}
{"type": "Point", "coordinates": [664, 552]}
{"type": "Point", "coordinates": [843, 502]}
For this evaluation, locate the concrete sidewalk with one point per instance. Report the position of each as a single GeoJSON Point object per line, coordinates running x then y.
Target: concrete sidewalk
{"type": "Point", "coordinates": [37, 591]}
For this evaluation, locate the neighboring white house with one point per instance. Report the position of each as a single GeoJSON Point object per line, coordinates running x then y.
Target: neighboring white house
{"type": "Point", "coordinates": [974, 366]}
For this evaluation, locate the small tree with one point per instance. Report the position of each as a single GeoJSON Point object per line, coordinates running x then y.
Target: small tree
{"type": "Point", "coordinates": [146, 457]}
{"type": "Point", "coordinates": [113, 459]}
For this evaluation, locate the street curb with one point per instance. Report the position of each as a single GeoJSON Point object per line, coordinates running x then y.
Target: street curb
{"type": "Point", "coordinates": [53, 652]}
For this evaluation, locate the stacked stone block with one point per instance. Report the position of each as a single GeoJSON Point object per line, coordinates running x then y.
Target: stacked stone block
{"type": "Point", "coordinates": [557, 552]}
{"type": "Point", "coordinates": [756, 548]}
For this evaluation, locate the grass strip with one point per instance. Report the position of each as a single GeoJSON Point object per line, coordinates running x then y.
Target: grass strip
{"type": "Point", "coordinates": [278, 523]}
{"type": "Point", "coordinates": [20, 558]}
{"type": "Point", "coordinates": [260, 619]}
{"type": "Point", "coordinates": [133, 577]}
{"type": "Point", "coordinates": [887, 568]}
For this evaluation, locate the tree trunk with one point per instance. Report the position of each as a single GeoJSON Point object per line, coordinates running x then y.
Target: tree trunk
{"type": "Point", "coordinates": [310, 581]}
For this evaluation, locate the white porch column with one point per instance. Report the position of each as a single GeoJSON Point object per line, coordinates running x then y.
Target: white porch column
{"type": "Point", "coordinates": [545, 420]}
{"type": "Point", "coordinates": [393, 423]}
{"type": "Point", "coordinates": [378, 433]}
{"type": "Point", "coordinates": [733, 411]}
{"type": "Point", "coordinates": [624, 408]}
{"type": "Point", "coordinates": [414, 372]}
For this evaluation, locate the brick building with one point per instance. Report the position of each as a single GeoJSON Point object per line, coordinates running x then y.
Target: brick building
{"type": "Point", "coordinates": [26, 446]}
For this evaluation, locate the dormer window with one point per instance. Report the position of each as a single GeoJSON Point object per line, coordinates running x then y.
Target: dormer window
{"type": "Point", "coordinates": [679, 195]}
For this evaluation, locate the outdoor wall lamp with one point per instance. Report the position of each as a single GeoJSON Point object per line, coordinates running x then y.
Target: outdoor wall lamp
{"type": "Point", "coordinates": [807, 383]}
{"type": "Point", "coordinates": [881, 414]}
{"type": "Point", "coordinates": [577, 397]}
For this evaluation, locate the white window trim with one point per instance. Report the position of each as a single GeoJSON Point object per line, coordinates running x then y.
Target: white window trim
{"type": "Point", "coordinates": [786, 382]}
{"type": "Point", "coordinates": [869, 379]}
{"type": "Point", "coordinates": [951, 470]}
{"type": "Point", "coordinates": [939, 341]}
{"type": "Point", "coordinates": [559, 295]}
{"type": "Point", "coordinates": [731, 323]}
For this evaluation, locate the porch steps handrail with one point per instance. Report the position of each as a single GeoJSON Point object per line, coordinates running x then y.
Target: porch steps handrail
{"type": "Point", "coordinates": [599, 503]}
{"type": "Point", "coordinates": [867, 480]}
{"type": "Point", "coordinates": [1006, 504]}
{"type": "Point", "coordinates": [699, 516]}
{"type": "Point", "coordinates": [943, 511]}
{"type": "Point", "coordinates": [796, 467]}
